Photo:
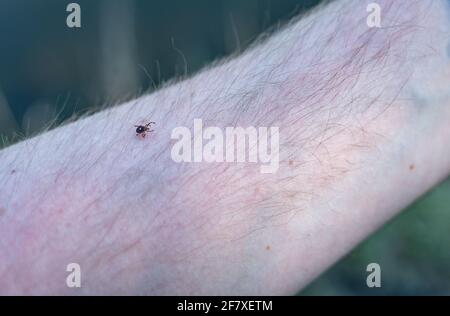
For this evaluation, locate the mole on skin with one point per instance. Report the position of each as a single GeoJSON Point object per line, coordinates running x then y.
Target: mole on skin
{"type": "Point", "coordinates": [412, 167]}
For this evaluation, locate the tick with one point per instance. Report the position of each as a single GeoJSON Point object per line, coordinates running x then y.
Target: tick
{"type": "Point", "coordinates": [142, 130]}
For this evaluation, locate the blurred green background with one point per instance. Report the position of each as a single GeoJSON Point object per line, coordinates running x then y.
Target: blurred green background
{"type": "Point", "coordinates": [126, 47]}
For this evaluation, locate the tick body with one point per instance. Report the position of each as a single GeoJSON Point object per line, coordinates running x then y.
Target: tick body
{"type": "Point", "coordinates": [142, 130]}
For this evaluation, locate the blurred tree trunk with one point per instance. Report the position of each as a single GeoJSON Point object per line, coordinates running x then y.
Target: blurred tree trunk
{"type": "Point", "coordinates": [118, 62]}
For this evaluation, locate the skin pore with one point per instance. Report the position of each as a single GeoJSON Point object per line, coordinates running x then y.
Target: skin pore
{"type": "Point", "coordinates": [356, 107]}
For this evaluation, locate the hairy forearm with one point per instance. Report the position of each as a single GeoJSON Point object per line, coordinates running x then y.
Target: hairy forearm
{"type": "Point", "coordinates": [363, 128]}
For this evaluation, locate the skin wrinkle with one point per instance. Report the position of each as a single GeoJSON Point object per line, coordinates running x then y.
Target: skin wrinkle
{"type": "Point", "coordinates": [282, 92]}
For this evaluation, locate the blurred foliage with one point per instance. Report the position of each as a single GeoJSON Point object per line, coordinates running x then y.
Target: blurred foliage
{"type": "Point", "coordinates": [124, 47]}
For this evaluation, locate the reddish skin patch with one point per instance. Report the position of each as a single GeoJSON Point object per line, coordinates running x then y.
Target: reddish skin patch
{"type": "Point", "coordinates": [412, 167]}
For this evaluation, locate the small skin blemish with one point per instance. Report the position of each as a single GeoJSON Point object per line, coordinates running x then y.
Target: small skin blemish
{"type": "Point", "coordinates": [13, 171]}
{"type": "Point", "coordinates": [268, 248]}
{"type": "Point", "coordinates": [291, 194]}
{"type": "Point", "coordinates": [412, 167]}
{"type": "Point", "coordinates": [291, 162]}
{"type": "Point", "coordinates": [2, 211]}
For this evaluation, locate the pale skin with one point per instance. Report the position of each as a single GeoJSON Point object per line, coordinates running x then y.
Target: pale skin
{"type": "Point", "coordinates": [364, 118]}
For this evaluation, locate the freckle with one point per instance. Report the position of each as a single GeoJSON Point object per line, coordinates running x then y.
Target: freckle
{"type": "Point", "coordinates": [291, 162]}
{"type": "Point", "coordinates": [267, 247]}
{"type": "Point", "coordinates": [412, 167]}
{"type": "Point", "coordinates": [13, 171]}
